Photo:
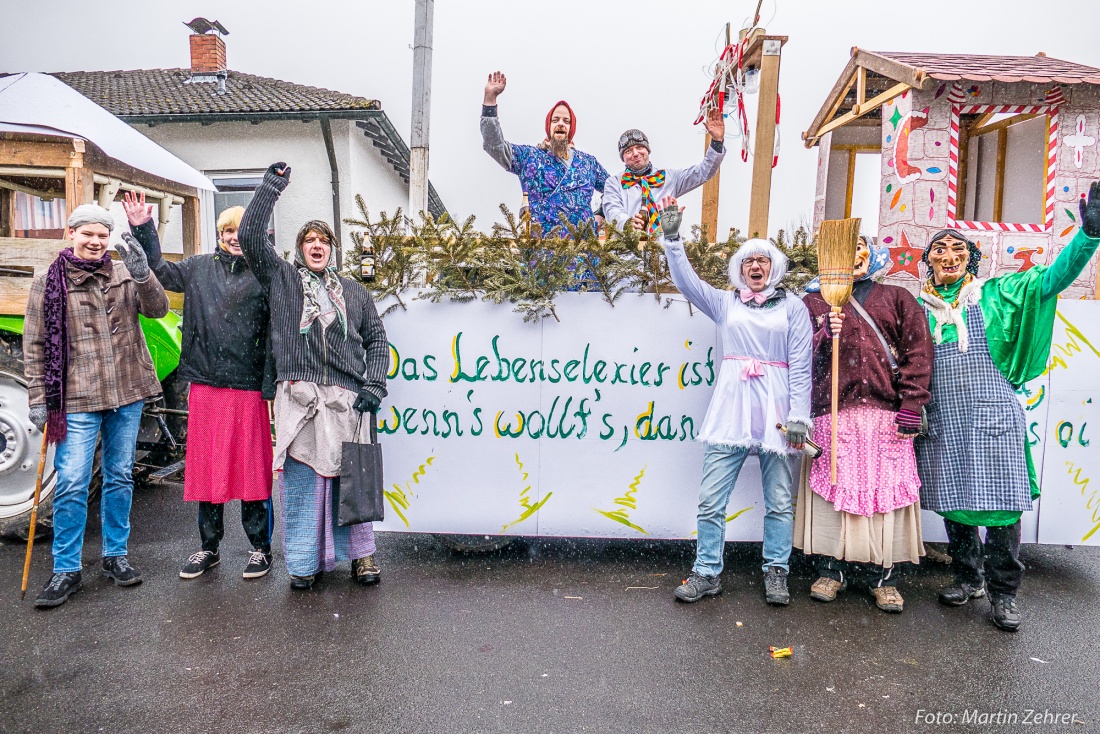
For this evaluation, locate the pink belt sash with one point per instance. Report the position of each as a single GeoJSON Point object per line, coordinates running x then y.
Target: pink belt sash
{"type": "Point", "coordinates": [754, 368]}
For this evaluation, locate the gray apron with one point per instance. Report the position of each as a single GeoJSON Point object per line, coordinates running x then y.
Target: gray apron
{"type": "Point", "coordinates": [974, 455]}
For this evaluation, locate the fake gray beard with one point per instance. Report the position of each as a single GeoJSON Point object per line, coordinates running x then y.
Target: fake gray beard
{"type": "Point", "coordinates": [560, 148]}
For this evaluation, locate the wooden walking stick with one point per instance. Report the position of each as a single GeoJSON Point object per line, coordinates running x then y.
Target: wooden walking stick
{"type": "Point", "coordinates": [34, 513]}
{"type": "Point", "coordinates": [836, 254]}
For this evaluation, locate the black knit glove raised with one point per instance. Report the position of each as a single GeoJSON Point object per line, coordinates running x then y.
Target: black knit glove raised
{"type": "Point", "coordinates": [1090, 211]}
{"type": "Point", "coordinates": [278, 175]}
{"type": "Point", "coordinates": [133, 257]}
{"type": "Point", "coordinates": [670, 218]}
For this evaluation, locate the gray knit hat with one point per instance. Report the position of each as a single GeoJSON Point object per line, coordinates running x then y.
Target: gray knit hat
{"type": "Point", "coordinates": [631, 138]}
{"type": "Point", "coordinates": [91, 214]}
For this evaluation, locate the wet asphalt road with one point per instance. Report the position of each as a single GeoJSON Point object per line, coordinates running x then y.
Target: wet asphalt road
{"type": "Point", "coordinates": [544, 636]}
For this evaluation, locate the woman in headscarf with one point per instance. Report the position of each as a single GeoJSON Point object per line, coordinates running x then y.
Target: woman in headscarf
{"type": "Point", "coordinates": [869, 521]}
{"type": "Point", "coordinates": [764, 382]}
{"type": "Point", "coordinates": [331, 358]}
{"type": "Point", "coordinates": [89, 373]}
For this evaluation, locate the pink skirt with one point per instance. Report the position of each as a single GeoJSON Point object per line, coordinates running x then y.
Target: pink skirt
{"type": "Point", "coordinates": [228, 446]}
{"type": "Point", "coordinates": [875, 470]}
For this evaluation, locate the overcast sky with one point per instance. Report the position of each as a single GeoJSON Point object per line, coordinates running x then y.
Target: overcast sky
{"type": "Point", "coordinates": [622, 64]}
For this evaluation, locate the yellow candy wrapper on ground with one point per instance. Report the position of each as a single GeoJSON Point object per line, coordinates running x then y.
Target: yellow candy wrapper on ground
{"type": "Point", "coordinates": [781, 652]}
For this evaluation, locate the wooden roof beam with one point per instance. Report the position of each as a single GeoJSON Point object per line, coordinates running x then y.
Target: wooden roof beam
{"type": "Point", "coordinates": [859, 111]}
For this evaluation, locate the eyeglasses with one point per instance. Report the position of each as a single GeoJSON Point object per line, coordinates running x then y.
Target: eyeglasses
{"type": "Point", "coordinates": [761, 261]}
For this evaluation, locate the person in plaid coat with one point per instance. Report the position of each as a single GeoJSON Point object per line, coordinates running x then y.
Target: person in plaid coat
{"type": "Point", "coordinates": [975, 466]}
{"type": "Point", "coordinates": [89, 373]}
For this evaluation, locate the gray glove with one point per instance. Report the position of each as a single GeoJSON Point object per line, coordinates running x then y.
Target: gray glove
{"type": "Point", "coordinates": [133, 257]}
{"type": "Point", "coordinates": [670, 219]}
{"type": "Point", "coordinates": [797, 433]}
{"type": "Point", "coordinates": [38, 416]}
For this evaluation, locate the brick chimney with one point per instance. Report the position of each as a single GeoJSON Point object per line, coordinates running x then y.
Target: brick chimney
{"type": "Point", "coordinates": [207, 53]}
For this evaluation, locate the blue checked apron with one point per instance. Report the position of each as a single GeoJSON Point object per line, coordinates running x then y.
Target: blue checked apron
{"type": "Point", "coordinates": [973, 457]}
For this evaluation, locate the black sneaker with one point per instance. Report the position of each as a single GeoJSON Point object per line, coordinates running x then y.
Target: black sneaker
{"type": "Point", "coordinates": [119, 570]}
{"type": "Point", "coordinates": [365, 571]}
{"type": "Point", "coordinates": [1005, 613]}
{"type": "Point", "coordinates": [775, 586]}
{"type": "Point", "coordinates": [259, 563]}
{"type": "Point", "coordinates": [58, 589]}
{"type": "Point", "coordinates": [302, 583]}
{"type": "Point", "coordinates": [199, 562]}
{"type": "Point", "coordinates": [696, 586]}
{"type": "Point", "coordinates": [960, 593]}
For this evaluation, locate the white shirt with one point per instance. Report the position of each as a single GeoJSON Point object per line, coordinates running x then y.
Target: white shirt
{"type": "Point", "coordinates": [745, 409]}
{"type": "Point", "coordinates": [620, 205]}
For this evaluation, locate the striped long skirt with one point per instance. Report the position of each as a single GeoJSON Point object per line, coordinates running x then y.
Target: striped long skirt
{"type": "Point", "coordinates": [312, 541]}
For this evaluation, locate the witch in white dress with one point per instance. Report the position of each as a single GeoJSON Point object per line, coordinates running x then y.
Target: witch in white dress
{"type": "Point", "coordinates": [766, 341]}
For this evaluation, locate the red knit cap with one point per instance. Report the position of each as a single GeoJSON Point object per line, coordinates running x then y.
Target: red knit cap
{"type": "Point", "coordinates": [572, 118]}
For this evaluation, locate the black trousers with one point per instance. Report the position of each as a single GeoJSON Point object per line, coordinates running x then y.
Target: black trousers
{"type": "Point", "coordinates": [255, 517]}
{"type": "Point", "coordinates": [834, 568]}
{"type": "Point", "coordinates": [997, 561]}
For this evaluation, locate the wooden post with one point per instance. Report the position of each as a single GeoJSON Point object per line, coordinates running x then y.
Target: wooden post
{"type": "Point", "coordinates": [711, 188]}
{"type": "Point", "coordinates": [760, 197]}
{"type": "Point", "coordinates": [79, 188]}
{"type": "Point", "coordinates": [191, 244]}
{"type": "Point", "coordinates": [6, 219]}
{"type": "Point", "coordinates": [999, 186]}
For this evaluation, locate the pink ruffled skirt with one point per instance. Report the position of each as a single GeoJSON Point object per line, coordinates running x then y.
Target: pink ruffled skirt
{"type": "Point", "coordinates": [876, 470]}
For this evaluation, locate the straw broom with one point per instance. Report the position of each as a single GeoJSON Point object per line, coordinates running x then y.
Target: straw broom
{"type": "Point", "coordinates": [836, 254]}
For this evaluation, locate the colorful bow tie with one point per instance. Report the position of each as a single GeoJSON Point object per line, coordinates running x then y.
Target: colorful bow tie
{"type": "Point", "coordinates": [748, 295]}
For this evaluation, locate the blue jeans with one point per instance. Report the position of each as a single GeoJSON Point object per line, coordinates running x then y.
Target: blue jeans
{"type": "Point", "coordinates": [73, 464]}
{"type": "Point", "coordinates": [721, 465]}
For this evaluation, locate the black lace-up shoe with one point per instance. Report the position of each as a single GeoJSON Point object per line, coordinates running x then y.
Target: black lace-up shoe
{"type": "Point", "coordinates": [1005, 613]}
{"type": "Point", "coordinates": [259, 563]}
{"type": "Point", "coordinates": [775, 586]}
{"type": "Point", "coordinates": [119, 570]}
{"type": "Point", "coordinates": [58, 589]}
{"type": "Point", "coordinates": [960, 593]}
{"type": "Point", "coordinates": [199, 562]}
{"type": "Point", "coordinates": [696, 586]}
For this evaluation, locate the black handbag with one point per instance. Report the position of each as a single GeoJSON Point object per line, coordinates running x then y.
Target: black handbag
{"type": "Point", "coordinates": [894, 368]}
{"type": "Point", "coordinates": [360, 496]}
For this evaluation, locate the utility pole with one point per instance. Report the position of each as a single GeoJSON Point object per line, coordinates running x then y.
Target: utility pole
{"type": "Point", "coordinates": [421, 107]}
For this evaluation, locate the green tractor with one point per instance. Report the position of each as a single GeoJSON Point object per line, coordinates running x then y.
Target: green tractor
{"type": "Point", "coordinates": [160, 439]}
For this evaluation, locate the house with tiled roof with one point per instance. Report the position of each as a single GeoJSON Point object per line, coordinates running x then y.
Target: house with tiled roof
{"type": "Point", "coordinates": [997, 147]}
{"type": "Point", "coordinates": [231, 125]}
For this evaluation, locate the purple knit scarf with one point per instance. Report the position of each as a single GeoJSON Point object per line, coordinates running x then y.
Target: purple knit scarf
{"type": "Point", "coordinates": [55, 309]}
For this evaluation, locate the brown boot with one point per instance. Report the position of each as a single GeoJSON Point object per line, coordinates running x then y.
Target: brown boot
{"type": "Point", "coordinates": [888, 599]}
{"type": "Point", "coordinates": [365, 571]}
{"type": "Point", "coordinates": [826, 589]}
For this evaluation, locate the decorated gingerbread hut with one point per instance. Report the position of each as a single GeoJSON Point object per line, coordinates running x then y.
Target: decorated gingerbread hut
{"type": "Point", "coordinates": [999, 147]}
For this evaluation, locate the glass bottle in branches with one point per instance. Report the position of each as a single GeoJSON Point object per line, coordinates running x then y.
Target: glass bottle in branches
{"type": "Point", "coordinates": [397, 263]}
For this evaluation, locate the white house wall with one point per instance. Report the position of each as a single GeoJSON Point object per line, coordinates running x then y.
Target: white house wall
{"type": "Point", "coordinates": [242, 146]}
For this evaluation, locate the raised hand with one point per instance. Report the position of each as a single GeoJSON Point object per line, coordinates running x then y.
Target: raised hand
{"type": "Point", "coordinates": [671, 214]}
{"type": "Point", "coordinates": [716, 125]}
{"type": "Point", "coordinates": [1090, 211]}
{"type": "Point", "coordinates": [137, 212]}
{"type": "Point", "coordinates": [278, 175]}
{"type": "Point", "coordinates": [133, 257]}
{"type": "Point", "coordinates": [495, 87]}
